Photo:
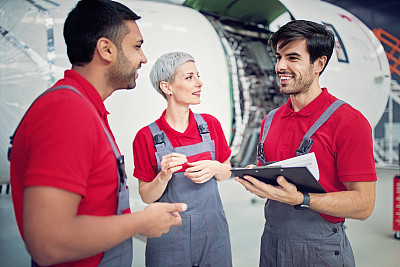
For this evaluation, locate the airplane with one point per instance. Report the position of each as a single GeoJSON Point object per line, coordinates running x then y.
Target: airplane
{"type": "Point", "coordinates": [228, 40]}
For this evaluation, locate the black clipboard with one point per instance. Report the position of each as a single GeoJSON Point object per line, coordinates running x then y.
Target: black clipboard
{"type": "Point", "coordinates": [301, 177]}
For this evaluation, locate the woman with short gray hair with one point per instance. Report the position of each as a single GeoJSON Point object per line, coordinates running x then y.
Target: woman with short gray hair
{"type": "Point", "coordinates": [179, 158]}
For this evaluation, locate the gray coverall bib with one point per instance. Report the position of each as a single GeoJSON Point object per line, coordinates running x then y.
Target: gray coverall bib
{"type": "Point", "coordinates": [120, 255]}
{"type": "Point", "coordinates": [203, 238]}
{"type": "Point", "coordinates": [301, 237]}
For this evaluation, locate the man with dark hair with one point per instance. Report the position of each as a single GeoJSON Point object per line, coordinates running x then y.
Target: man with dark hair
{"type": "Point", "coordinates": [68, 180]}
{"type": "Point", "coordinates": [302, 228]}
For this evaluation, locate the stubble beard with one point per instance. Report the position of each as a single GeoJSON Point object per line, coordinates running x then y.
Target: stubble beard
{"type": "Point", "coordinates": [122, 74]}
{"type": "Point", "coordinates": [301, 86]}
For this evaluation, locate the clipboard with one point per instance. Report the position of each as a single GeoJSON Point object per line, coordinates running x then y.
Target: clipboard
{"type": "Point", "coordinates": [301, 177]}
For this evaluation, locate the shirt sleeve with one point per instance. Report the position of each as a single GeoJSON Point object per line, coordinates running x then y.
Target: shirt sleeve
{"type": "Point", "coordinates": [61, 142]}
{"type": "Point", "coordinates": [145, 163]}
{"type": "Point", "coordinates": [222, 149]}
{"type": "Point", "coordinates": [354, 148]}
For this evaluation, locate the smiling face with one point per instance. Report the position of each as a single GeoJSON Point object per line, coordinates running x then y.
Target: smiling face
{"type": "Point", "coordinates": [130, 57]}
{"type": "Point", "coordinates": [296, 73]}
{"type": "Point", "coordinates": [186, 86]}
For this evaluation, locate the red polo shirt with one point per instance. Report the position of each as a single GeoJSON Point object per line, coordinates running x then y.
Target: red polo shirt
{"type": "Point", "coordinates": [144, 150]}
{"type": "Point", "coordinates": [343, 145]}
{"type": "Point", "coordinates": [61, 143]}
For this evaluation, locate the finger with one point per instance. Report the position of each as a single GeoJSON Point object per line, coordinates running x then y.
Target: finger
{"type": "Point", "coordinates": [281, 180]}
{"type": "Point", "coordinates": [252, 180]}
{"type": "Point", "coordinates": [176, 155]}
{"type": "Point", "coordinates": [243, 182]}
{"type": "Point", "coordinates": [192, 163]}
{"type": "Point", "coordinates": [251, 166]}
{"type": "Point", "coordinates": [177, 219]}
{"type": "Point", "coordinates": [171, 164]}
{"type": "Point", "coordinates": [251, 187]}
{"type": "Point", "coordinates": [194, 173]}
{"type": "Point", "coordinates": [175, 161]}
{"type": "Point", "coordinates": [285, 184]}
{"type": "Point", "coordinates": [174, 169]}
{"type": "Point", "coordinates": [194, 169]}
{"type": "Point", "coordinates": [176, 207]}
{"type": "Point", "coordinates": [201, 179]}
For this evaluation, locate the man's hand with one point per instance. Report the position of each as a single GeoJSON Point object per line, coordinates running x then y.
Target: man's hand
{"type": "Point", "coordinates": [161, 217]}
{"type": "Point", "coordinates": [285, 192]}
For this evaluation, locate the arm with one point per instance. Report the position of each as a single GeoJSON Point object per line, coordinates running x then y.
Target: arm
{"type": "Point", "coordinates": [151, 191]}
{"type": "Point", "coordinates": [203, 170]}
{"type": "Point", "coordinates": [54, 233]}
{"type": "Point", "coordinates": [356, 203]}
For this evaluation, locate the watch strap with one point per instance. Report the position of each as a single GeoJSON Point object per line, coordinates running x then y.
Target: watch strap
{"type": "Point", "coordinates": [306, 202]}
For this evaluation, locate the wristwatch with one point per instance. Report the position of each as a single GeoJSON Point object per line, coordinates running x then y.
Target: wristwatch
{"type": "Point", "coordinates": [306, 202]}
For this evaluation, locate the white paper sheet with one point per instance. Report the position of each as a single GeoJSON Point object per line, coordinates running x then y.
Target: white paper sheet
{"type": "Point", "coordinates": [308, 160]}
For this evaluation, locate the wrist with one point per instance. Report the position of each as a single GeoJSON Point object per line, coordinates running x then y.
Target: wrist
{"type": "Point", "coordinates": [306, 202]}
{"type": "Point", "coordinates": [162, 179]}
{"type": "Point", "coordinates": [300, 198]}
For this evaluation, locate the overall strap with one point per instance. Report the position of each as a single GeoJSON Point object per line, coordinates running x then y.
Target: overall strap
{"type": "Point", "coordinates": [108, 135]}
{"type": "Point", "coordinates": [115, 150]}
{"type": "Point", "coordinates": [203, 127]}
{"type": "Point", "coordinates": [260, 146]}
{"type": "Point", "coordinates": [161, 141]}
{"type": "Point", "coordinates": [307, 142]}
{"type": "Point", "coordinates": [110, 140]}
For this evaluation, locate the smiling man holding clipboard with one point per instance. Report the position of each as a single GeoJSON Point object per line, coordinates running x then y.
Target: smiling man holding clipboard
{"type": "Point", "coordinates": [304, 228]}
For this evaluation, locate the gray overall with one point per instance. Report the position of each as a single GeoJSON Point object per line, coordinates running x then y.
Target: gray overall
{"type": "Point", "coordinates": [203, 237]}
{"type": "Point", "coordinates": [121, 254]}
{"type": "Point", "coordinates": [301, 237]}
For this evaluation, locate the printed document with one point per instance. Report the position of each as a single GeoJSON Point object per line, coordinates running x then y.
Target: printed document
{"type": "Point", "coordinates": [308, 160]}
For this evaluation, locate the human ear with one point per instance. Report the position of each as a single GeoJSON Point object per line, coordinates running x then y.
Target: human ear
{"type": "Point", "coordinates": [164, 86]}
{"type": "Point", "coordinates": [320, 63]}
{"type": "Point", "coordinates": [106, 49]}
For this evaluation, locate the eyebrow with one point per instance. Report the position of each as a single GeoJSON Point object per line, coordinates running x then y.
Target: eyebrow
{"type": "Point", "coordinates": [289, 54]}
{"type": "Point", "coordinates": [190, 72]}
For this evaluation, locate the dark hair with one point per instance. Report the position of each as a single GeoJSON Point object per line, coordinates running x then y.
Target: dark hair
{"type": "Point", "coordinates": [320, 41]}
{"type": "Point", "coordinates": [91, 20]}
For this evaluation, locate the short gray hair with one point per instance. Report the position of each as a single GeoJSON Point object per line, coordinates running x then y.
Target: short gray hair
{"type": "Point", "coordinates": [165, 67]}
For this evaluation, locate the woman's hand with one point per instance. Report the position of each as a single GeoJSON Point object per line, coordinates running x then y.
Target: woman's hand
{"type": "Point", "coordinates": [203, 170]}
{"type": "Point", "coordinates": [170, 164]}
{"type": "Point", "coordinates": [151, 191]}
